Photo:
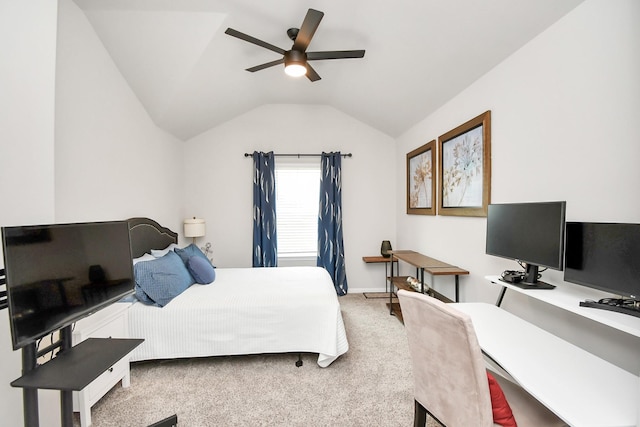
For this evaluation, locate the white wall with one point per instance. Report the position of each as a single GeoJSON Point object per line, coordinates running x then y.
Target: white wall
{"type": "Point", "coordinates": [219, 180]}
{"type": "Point", "coordinates": [73, 140]}
{"type": "Point", "coordinates": [564, 127]}
{"type": "Point", "coordinates": [111, 161]}
{"type": "Point", "coordinates": [27, 43]}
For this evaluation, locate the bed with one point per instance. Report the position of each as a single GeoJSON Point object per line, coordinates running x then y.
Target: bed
{"type": "Point", "coordinates": [244, 311]}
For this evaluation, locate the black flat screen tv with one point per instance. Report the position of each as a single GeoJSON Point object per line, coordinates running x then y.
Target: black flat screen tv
{"type": "Point", "coordinates": [530, 233]}
{"type": "Point", "coordinates": [57, 274]}
{"type": "Point", "coordinates": [604, 256]}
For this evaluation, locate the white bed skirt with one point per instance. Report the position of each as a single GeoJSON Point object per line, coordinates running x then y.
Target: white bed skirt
{"type": "Point", "coordinates": [245, 311]}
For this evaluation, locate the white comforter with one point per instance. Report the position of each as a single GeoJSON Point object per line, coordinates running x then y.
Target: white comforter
{"type": "Point", "coordinates": [245, 311]}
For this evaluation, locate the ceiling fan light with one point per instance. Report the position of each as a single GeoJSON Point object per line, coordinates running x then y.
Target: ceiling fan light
{"type": "Point", "coordinates": [295, 63]}
{"type": "Point", "coordinates": [295, 70]}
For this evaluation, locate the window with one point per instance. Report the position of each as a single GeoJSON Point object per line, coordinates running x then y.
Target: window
{"type": "Point", "coordinates": [297, 192]}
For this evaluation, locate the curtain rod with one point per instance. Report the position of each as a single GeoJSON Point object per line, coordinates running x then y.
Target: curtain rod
{"type": "Point", "coordinates": [299, 155]}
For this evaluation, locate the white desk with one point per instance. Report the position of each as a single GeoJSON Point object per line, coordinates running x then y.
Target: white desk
{"type": "Point", "coordinates": [568, 296]}
{"type": "Point", "coordinates": [579, 387]}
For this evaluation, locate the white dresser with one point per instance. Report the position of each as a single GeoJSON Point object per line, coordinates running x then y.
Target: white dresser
{"type": "Point", "coordinates": [110, 322]}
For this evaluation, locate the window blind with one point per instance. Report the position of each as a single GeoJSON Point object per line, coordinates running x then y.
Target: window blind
{"type": "Point", "coordinates": [297, 193]}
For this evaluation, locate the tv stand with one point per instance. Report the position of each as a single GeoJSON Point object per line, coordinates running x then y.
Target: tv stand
{"type": "Point", "coordinates": [633, 310]}
{"type": "Point", "coordinates": [87, 361]}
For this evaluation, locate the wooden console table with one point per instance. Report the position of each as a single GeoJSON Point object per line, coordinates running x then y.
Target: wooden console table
{"type": "Point", "coordinates": [381, 259]}
{"type": "Point", "coordinates": [423, 264]}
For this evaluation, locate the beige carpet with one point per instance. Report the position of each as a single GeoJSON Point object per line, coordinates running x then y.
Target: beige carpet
{"type": "Point", "coordinates": [371, 385]}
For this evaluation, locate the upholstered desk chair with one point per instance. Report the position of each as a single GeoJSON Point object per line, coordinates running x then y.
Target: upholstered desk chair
{"type": "Point", "coordinates": [450, 376]}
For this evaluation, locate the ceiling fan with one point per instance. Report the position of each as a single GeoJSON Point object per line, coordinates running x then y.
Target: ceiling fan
{"type": "Point", "coordinates": [296, 59]}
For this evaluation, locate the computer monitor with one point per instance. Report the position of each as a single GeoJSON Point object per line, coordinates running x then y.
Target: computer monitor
{"type": "Point", "coordinates": [530, 233]}
{"type": "Point", "coordinates": [604, 256]}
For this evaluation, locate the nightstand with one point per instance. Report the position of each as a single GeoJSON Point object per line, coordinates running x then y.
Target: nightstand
{"type": "Point", "coordinates": [110, 322]}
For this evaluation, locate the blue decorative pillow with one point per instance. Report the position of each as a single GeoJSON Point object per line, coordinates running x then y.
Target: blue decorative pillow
{"type": "Point", "coordinates": [201, 270]}
{"type": "Point", "coordinates": [161, 280]}
{"type": "Point", "coordinates": [141, 295]}
{"type": "Point", "coordinates": [189, 251]}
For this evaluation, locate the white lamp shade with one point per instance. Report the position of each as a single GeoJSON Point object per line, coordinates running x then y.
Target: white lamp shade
{"type": "Point", "coordinates": [194, 227]}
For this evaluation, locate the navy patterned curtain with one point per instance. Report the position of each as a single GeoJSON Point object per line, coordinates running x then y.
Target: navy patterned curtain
{"type": "Point", "coordinates": [330, 245]}
{"type": "Point", "coordinates": [265, 251]}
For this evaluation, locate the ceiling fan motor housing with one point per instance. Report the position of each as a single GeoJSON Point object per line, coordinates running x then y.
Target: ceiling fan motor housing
{"type": "Point", "coordinates": [295, 56]}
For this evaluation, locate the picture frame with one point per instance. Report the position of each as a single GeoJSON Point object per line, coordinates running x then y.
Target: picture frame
{"type": "Point", "coordinates": [464, 168]}
{"type": "Point", "coordinates": [421, 180]}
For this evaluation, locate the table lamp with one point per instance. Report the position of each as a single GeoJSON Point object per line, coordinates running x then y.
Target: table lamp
{"type": "Point", "coordinates": [194, 227]}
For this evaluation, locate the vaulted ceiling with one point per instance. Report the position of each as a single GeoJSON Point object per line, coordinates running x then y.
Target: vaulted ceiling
{"type": "Point", "coordinates": [190, 75]}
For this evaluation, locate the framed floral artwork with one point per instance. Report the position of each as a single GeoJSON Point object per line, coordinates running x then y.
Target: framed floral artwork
{"type": "Point", "coordinates": [464, 167]}
{"type": "Point", "coordinates": [421, 184]}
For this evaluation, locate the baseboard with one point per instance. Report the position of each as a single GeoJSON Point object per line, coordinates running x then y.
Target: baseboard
{"type": "Point", "coordinates": [363, 290]}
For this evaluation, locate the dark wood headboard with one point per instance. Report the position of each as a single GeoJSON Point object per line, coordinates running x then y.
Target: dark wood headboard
{"type": "Point", "coordinates": [146, 234]}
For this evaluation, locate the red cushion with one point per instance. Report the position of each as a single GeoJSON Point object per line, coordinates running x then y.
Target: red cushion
{"type": "Point", "coordinates": [501, 410]}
